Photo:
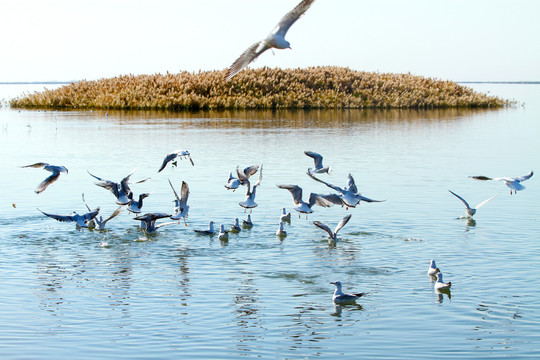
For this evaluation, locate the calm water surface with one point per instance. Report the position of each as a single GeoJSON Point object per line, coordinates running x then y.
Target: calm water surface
{"type": "Point", "coordinates": [178, 295]}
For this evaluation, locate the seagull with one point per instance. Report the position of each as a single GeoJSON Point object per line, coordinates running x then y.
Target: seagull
{"type": "Point", "coordinates": [285, 216]}
{"type": "Point", "coordinates": [120, 190]}
{"type": "Point", "coordinates": [247, 224]}
{"type": "Point", "coordinates": [236, 226]}
{"type": "Point", "coordinates": [471, 211]}
{"type": "Point", "coordinates": [433, 269]}
{"type": "Point", "coordinates": [306, 207]}
{"type": "Point", "coordinates": [81, 220]}
{"type": "Point", "coordinates": [341, 297]}
{"type": "Point", "coordinates": [178, 153]}
{"type": "Point", "coordinates": [149, 220]}
{"type": "Point", "coordinates": [333, 234]}
{"type": "Point", "coordinates": [232, 182]}
{"type": "Point", "coordinates": [349, 195]}
{"type": "Point", "coordinates": [440, 285]}
{"type": "Point", "coordinates": [135, 206]}
{"type": "Point", "coordinates": [249, 201]}
{"type": "Point", "coordinates": [281, 231]}
{"type": "Point", "coordinates": [210, 230]}
{"type": "Point", "coordinates": [98, 223]}
{"type": "Point", "coordinates": [54, 169]}
{"type": "Point", "coordinates": [276, 39]}
{"type": "Point", "coordinates": [181, 208]}
{"type": "Point", "coordinates": [223, 234]}
{"type": "Point", "coordinates": [318, 169]}
{"type": "Point", "coordinates": [514, 183]}
{"type": "Point", "coordinates": [244, 175]}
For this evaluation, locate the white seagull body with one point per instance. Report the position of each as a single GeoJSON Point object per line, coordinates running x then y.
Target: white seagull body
{"type": "Point", "coordinates": [440, 285]}
{"type": "Point", "coordinates": [333, 234]}
{"type": "Point", "coordinates": [318, 168]}
{"type": "Point", "coordinates": [514, 183]}
{"type": "Point", "coordinates": [285, 216]}
{"type": "Point", "coordinates": [305, 207]}
{"type": "Point", "coordinates": [149, 221]}
{"type": "Point", "coordinates": [81, 220]}
{"type": "Point", "coordinates": [223, 234]}
{"type": "Point", "coordinates": [249, 201]}
{"type": "Point", "coordinates": [247, 224]}
{"type": "Point", "coordinates": [232, 182]}
{"type": "Point", "coordinates": [276, 39]}
{"type": "Point", "coordinates": [210, 230]}
{"type": "Point", "coordinates": [120, 190]}
{"type": "Point", "coordinates": [54, 169]}
{"type": "Point", "coordinates": [281, 231]}
{"type": "Point", "coordinates": [98, 223]}
{"type": "Point", "coordinates": [341, 297]}
{"type": "Point", "coordinates": [470, 210]}
{"type": "Point", "coordinates": [433, 269]}
{"type": "Point", "coordinates": [236, 226]}
{"type": "Point", "coordinates": [349, 195]}
{"type": "Point", "coordinates": [135, 206]}
{"type": "Point", "coordinates": [244, 175]}
{"type": "Point", "coordinates": [181, 208]}
{"type": "Point", "coordinates": [178, 153]}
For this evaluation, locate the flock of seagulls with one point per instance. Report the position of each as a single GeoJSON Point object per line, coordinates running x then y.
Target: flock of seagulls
{"type": "Point", "coordinates": [347, 197]}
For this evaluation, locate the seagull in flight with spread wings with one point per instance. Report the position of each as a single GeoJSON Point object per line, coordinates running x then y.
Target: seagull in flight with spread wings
{"type": "Point", "coordinates": [54, 169]}
{"type": "Point", "coordinates": [276, 39]}
{"type": "Point", "coordinates": [514, 183]}
{"type": "Point", "coordinates": [333, 234]}
{"type": "Point", "coordinates": [471, 210]}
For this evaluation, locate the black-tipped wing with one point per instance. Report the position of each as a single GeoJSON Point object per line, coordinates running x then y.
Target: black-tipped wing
{"type": "Point", "coordinates": [526, 177]}
{"type": "Point", "coordinates": [168, 158]}
{"type": "Point", "coordinates": [63, 218]}
{"type": "Point", "coordinates": [480, 177]}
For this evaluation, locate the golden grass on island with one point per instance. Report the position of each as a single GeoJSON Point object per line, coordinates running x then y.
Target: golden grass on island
{"type": "Point", "coordinates": [264, 88]}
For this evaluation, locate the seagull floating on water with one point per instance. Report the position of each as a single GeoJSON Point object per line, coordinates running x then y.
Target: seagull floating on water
{"type": "Point", "coordinates": [348, 196]}
{"type": "Point", "coordinates": [247, 224]}
{"type": "Point", "coordinates": [135, 206]}
{"type": "Point", "coordinates": [319, 168]}
{"type": "Point", "coordinates": [235, 228]}
{"type": "Point", "coordinates": [149, 220]}
{"type": "Point", "coordinates": [285, 216]}
{"type": "Point", "coordinates": [178, 153]}
{"type": "Point", "coordinates": [440, 285]}
{"type": "Point", "coordinates": [210, 230]}
{"type": "Point", "coordinates": [276, 39]}
{"type": "Point", "coordinates": [181, 208]}
{"type": "Point", "coordinates": [433, 269]}
{"type": "Point", "coordinates": [249, 201]}
{"type": "Point", "coordinates": [54, 169]}
{"type": "Point", "coordinates": [333, 234]}
{"type": "Point", "coordinates": [281, 231]}
{"type": "Point", "coordinates": [471, 211]}
{"type": "Point", "coordinates": [514, 183]}
{"type": "Point", "coordinates": [223, 234]}
{"type": "Point", "coordinates": [306, 207]}
{"type": "Point", "coordinates": [341, 297]}
{"type": "Point", "coordinates": [81, 220]}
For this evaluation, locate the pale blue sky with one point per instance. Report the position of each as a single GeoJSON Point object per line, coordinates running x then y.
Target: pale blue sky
{"type": "Point", "coordinates": [446, 39]}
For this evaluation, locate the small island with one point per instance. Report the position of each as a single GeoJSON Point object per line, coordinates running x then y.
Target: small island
{"type": "Point", "coordinates": [262, 89]}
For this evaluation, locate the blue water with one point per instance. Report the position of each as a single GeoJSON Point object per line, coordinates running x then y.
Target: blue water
{"type": "Point", "coordinates": [177, 295]}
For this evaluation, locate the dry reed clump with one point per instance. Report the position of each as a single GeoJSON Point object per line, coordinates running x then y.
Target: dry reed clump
{"type": "Point", "coordinates": [264, 88]}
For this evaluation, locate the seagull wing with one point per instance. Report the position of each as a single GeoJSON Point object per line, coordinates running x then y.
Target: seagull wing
{"type": "Point", "coordinates": [342, 223]}
{"type": "Point", "coordinates": [247, 57]}
{"type": "Point", "coordinates": [36, 165]}
{"type": "Point", "coordinates": [113, 215]}
{"type": "Point", "coordinates": [85, 204]}
{"type": "Point", "coordinates": [351, 186]}
{"type": "Point", "coordinates": [334, 187]}
{"type": "Point", "coordinates": [251, 170]}
{"type": "Point", "coordinates": [184, 194]}
{"type": "Point", "coordinates": [481, 177]}
{"type": "Point", "coordinates": [526, 177]}
{"type": "Point", "coordinates": [165, 224]}
{"type": "Point", "coordinates": [485, 202]}
{"type": "Point", "coordinates": [168, 158]}
{"type": "Point", "coordinates": [90, 215]}
{"type": "Point", "coordinates": [296, 192]}
{"type": "Point", "coordinates": [48, 181]}
{"type": "Point", "coordinates": [259, 180]}
{"type": "Point", "coordinates": [363, 198]}
{"type": "Point", "coordinates": [460, 198]}
{"type": "Point", "coordinates": [290, 18]}
{"type": "Point", "coordinates": [174, 191]}
{"type": "Point", "coordinates": [317, 158]}
{"type": "Point", "coordinates": [324, 227]}
{"type": "Point", "coordinates": [324, 200]}
{"type": "Point", "coordinates": [63, 218]}
{"type": "Point", "coordinates": [190, 159]}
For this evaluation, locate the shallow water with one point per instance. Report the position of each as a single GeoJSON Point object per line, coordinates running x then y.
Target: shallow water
{"type": "Point", "coordinates": [175, 294]}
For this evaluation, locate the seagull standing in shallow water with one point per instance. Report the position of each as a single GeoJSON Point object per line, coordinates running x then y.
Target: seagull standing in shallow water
{"type": "Point", "coordinates": [333, 234]}
{"type": "Point", "coordinates": [276, 39]}
{"type": "Point", "coordinates": [471, 211]}
{"type": "Point", "coordinates": [54, 169]}
{"type": "Point", "coordinates": [341, 297]}
{"type": "Point", "coordinates": [514, 183]}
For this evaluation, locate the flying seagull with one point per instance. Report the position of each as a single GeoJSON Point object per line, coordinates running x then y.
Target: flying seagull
{"type": "Point", "coordinates": [317, 159]}
{"type": "Point", "coordinates": [333, 234]}
{"type": "Point", "coordinates": [306, 207]}
{"type": "Point", "coordinates": [341, 297]}
{"type": "Point", "coordinates": [181, 208]}
{"type": "Point", "coordinates": [120, 190]}
{"type": "Point", "coordinates": [98, 222]}
{"type": "Point", "coordinates": [249, 201]}
{"type": "Point", "coordinates": [276, 39]}
{"type": "Point", "coordinates": [54, 169]}
{"type": "Point", "coordinates": [135, 206]}
{"type": "Point", "coordinates": [514, 183]}
{"type": "Point", "coordinates": [471, 211]}
{"type": "Point", "coordinates": [178, 153]}
{"type": "Point", "coordinates": [81, 220]}
{"type": "Point", "coordinates": [149, 220]}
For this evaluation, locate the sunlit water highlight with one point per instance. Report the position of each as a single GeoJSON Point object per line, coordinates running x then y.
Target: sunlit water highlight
{"type": "Point", "coordinates": [122, 294]}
